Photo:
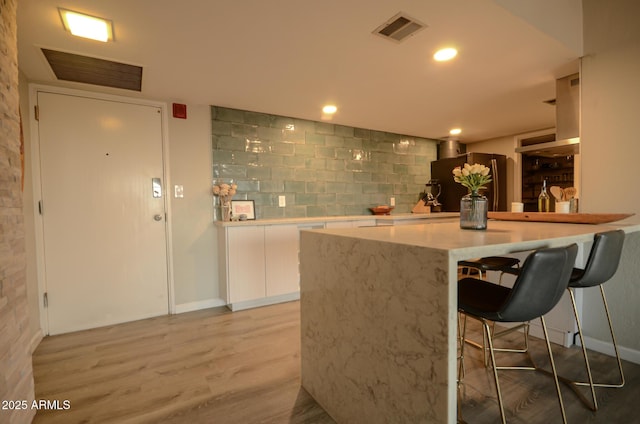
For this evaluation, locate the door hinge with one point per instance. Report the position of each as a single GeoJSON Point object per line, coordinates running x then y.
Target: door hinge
{"type": "Point", "coordinates": [40, 207]}
{"type": "Point", "coordinates": [36, 111]}
{"type": "Point", "coordinates": [45, 299]}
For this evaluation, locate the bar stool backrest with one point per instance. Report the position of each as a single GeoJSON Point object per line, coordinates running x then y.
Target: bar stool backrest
{"type": "Point", "coordinates": [604, 259]}
{"type": "Point", "coordinates": [540, 284]}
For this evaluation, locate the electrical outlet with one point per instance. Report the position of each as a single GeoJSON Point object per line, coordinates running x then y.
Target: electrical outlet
{"type": "Point", "coordinates": [392, 201]}
{"type": "Point", "coordinates": [282, 201]}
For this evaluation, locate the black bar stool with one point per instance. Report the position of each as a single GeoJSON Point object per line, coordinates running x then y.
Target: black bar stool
{"type": "Point", "coordinates": [538, 288]}
{"type": "Point", "coordinates": [602, 264]}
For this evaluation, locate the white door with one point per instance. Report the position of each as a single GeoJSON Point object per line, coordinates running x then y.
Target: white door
{"type": "Point", "coordinates": [105, 253]}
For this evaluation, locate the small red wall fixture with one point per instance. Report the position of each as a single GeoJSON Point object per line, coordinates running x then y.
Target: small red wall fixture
{"type": "Point", "coordinates": [179, 111]}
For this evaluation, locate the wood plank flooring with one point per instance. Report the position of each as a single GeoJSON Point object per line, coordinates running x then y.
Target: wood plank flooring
{"type": "Point", "coordinates": [214, 366]}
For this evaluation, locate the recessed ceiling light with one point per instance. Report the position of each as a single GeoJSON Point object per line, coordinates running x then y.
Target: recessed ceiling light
{"type": "Point", "coordinates": [86, 26]}
{"type": "Point", "coordinates": [329, 109]}
{"type": "Point", "coordinates": [443, 55]}
{"type": "Point", "coordinates": [455, 131]}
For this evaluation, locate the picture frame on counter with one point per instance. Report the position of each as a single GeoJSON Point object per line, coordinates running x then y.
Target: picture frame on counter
{"type": "Point", "coordinates": [243, 207]}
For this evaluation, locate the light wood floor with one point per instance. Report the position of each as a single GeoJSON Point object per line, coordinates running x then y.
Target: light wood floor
{"type": "Point", "coordinates": [214, 366]}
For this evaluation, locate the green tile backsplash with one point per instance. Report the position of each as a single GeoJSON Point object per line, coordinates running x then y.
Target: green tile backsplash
{"type": "Point", "coordinates": [322, 169]}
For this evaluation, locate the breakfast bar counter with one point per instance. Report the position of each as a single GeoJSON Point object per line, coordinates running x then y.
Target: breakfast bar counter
{"type": "Point", "coordinates": [378, 312]}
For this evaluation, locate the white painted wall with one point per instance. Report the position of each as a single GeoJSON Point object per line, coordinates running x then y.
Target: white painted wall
{"type": "Point", "coordinates": [610, 150]}
{"type": "Point", "coordinates": [194, 235]}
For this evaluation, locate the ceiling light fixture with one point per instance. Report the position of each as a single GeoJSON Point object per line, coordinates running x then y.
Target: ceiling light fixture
{"type": "Point", "coordinates": [443, 55]}
{"type": "Point", "coordinates": [455, 131]}
{"type": "Point", "coordinates": [86, 26]}
{"type": "Point", "coordinates": [329, 109]}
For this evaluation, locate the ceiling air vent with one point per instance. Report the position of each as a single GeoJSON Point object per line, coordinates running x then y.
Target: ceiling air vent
{"type": "Point", "coordinates": [399, 27]}
{"type": "Point", "coordinates": [91, 70]}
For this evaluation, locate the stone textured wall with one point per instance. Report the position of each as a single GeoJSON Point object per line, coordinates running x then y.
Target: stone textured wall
{"type": "Point", "coordinates": [16, 375]}
{"type": "Point", "coordinates": [322, 169]}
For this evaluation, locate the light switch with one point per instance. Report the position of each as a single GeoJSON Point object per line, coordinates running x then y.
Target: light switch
{"type": "Point", "coordinates": [282, 201]}
{"type": "Point", "coordinates": [392, 201]}
{"type": "Point", "coordinates": [178, 191]}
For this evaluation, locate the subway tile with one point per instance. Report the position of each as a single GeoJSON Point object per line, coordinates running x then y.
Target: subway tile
{"type": "Point", "coordinates": [362, 133]}
{"type": "Point", "coordinates": [294, 186]}
{"type": "Point", "coordinates": [368, 188]}
{"type": "Point", "coordinates": [325, 152]}
{"type": "Point", "coordinates": [259, 119]}
{"type": "Point", "coordinates": [221, 127]}
{"type": "Point", "coordinates": [230, 115]}
{"type": "Point", "coordinates": [326, 198]}
{"type": "Point", "coordinates": [271, 134]}
{"type": "Point", "coordinates": [344, 131]}
{"type": "Point", "coordinates": [271, 212]}
{"type": "Point", "coordinates": [324, 128]}
{"type": "Point", "coordinates": [313, 138]}
{"type": "Point", "coordinates": [305, 149]}
{"type": "Point", "coordinates": [282, 173]}
{"type": "Point", "coordinates": [316, 187]}
{"type": "Point", "coordinates": [344, 176]}
{"type": "Point", "coordinates": [305, 174]}
{"type": "Point", "coordinates": [262, 173]}
{"type": "Point", "coordinates": [230, 143]}
{"type": "Point", "coordinates": [248, 186]}
{"type": "Point", "coordinates": [265, 159]}
{"type": "Point", "coordinates": [271, 186]}
{"type": "Point", "coordinates": [335, 165]}
{"type": "Point", "coordinates": [334, 141]}
{"type": "Point", "coordinates": [317, 210]}
{"type": "Point", "coordinates": [295, 211]}
{"type": "Point", "coordinates": [293, 161]}
{"type": "Point", "coordinates": [233, 171]}
{"type": "Point", "coordinates": [313, 163]}
{"type": "Point", "coordinates": [280, 148]}
{"type": "Point", "coordinates": [305, 198]}
{"type": "Point", "coordinates": [244, 130]}
{"type": "Point", "coordinates": [362, 177]}
{"type": "Point", "coordinates": [336, 187]}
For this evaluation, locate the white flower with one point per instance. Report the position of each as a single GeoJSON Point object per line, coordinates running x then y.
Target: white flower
{"type": "Point", "coordinates": [474, 177]}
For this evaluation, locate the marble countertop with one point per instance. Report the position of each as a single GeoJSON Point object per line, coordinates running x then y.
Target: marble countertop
{"type": "Point", "coordinates": [379, 219]}
{"type": "Point", "coordinates": [518, 236]}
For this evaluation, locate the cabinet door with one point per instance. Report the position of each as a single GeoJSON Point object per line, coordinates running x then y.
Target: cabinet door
{"type": "Point", "coordinates": [282, 243]}
{"type": "Point", "coordinates": [339, 224]}
{"type": "Point", "coordinates": [245, 261]}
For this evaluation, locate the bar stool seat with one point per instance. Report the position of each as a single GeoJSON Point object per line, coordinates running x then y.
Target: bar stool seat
{"type": "Point", "coordinates": [490, 263]}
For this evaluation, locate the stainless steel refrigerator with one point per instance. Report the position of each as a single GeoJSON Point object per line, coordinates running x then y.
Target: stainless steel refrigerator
{"type": "Point", "coordinates": [451, 193]}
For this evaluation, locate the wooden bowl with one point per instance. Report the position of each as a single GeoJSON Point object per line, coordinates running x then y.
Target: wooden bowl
{"type": "Point", "coordinates": [381, 210]}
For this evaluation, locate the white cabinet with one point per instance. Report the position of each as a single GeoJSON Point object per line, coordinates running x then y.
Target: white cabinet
{"type": "Point", "coordinates": [259, 264]}
{"type": "Point", "coordinates": [245, 262]}
{"type": "Point", "coordinates": [281, 243]}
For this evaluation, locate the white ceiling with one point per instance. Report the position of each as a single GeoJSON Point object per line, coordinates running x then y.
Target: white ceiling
{"type": "Point", "coordinates": [290, 57]}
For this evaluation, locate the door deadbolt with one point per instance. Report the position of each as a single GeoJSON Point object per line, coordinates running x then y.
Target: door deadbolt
{"type": "Point", "coordinates": [157, 217]}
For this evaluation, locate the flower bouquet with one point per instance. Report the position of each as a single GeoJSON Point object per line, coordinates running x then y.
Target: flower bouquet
{"type": "Point", "coordinates": [473, 206]}
{"type": "Point", "coordinates": [225, 193]}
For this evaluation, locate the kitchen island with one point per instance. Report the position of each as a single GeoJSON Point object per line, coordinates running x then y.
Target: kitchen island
{"type": "Point", "coordinates": [378, 312]}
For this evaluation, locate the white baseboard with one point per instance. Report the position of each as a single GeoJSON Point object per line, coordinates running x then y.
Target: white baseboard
{"type": "Point", "coordinates": [238, 306]}
{"type": "Point", "coordinates": [606, 348]}
{"type": "Point", "coordinates": [201, 304]}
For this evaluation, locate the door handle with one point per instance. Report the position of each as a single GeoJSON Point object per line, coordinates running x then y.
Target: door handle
{"type": "Point", "coordinates": [156, 187]}
{"type": "Point", "coordinates": [157, 217]}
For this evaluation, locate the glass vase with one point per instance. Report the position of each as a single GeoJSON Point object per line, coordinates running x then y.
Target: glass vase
{"type": "Point", "coordinates": [226, 211]}
{"type": "Point", "coordinates": [473, 211]}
